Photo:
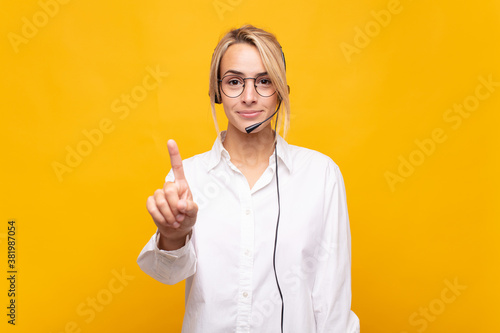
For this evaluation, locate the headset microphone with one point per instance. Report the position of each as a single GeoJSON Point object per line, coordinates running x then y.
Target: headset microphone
{"type": "Point", "coordinates": [250, 128]}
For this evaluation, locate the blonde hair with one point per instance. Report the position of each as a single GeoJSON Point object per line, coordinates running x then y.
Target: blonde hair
{"type": "Point", "coordinates": [272, 58]}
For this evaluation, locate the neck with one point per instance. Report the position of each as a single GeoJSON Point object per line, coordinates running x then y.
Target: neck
{"type": "Point", "coordinates": [249, 149]}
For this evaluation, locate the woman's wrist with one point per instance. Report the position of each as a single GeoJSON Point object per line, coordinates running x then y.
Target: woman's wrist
{"type": "Point", "coordinates": [170, 243]}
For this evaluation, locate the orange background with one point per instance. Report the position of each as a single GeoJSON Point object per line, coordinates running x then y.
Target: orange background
{"type": "Point", "coordinates": [376, 85]}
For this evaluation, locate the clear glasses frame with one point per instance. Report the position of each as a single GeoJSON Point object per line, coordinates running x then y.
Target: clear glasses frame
{"type": "Point", "coordinates": [236, 94]}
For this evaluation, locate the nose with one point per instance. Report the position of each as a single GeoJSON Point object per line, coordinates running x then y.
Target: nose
{"type": "Point", "coordinates": [249, 94]}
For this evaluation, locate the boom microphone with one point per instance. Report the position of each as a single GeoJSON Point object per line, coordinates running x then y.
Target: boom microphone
{"type": "Point", "coordinates": [250, 128]}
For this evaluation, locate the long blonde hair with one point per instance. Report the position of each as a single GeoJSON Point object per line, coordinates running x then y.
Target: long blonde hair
{"type": "Point", "coordinates": [272, 58]}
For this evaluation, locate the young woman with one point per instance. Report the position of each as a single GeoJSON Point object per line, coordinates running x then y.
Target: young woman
{"type": "Point", "coordinates": [257, 227]}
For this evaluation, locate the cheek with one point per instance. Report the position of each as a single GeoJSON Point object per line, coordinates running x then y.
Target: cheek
{"type": "Point", "coordinates": [228, 106]}
{"type": "Point", "coordinates": [273, 102]}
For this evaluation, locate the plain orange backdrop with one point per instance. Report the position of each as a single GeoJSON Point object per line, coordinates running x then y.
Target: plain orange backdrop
{"type": "Point", "coordinates": [403, 95]}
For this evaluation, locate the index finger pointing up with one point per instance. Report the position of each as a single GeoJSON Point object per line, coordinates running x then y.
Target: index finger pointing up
{"type": "Point", "coordinates": [175, 160]}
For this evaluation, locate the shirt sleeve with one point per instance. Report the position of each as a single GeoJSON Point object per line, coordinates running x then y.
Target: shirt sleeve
{"type": "Point", "coordinates": [169, 267]}
{"type": "Point", "coordinates": [332, 286]}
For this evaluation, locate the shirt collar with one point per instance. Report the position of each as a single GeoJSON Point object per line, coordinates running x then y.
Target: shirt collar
{"type": "Point", "coordinates": [218, 152]}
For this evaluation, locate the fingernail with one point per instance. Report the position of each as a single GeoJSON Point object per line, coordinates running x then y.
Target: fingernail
{"type": "Point", "coordinates": [180, 217]}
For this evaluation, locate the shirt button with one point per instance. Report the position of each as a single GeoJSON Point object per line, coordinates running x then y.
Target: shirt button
{"type": "Point", "coordinates": [245, 294]}
{"type": "Point", "coordinates": [247, 253]}
{"type": "Point", "coordinates": [248, 212]}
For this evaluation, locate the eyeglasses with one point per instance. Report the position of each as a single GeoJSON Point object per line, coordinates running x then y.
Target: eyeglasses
{"type": "Point", "coordinates": [233, 85]}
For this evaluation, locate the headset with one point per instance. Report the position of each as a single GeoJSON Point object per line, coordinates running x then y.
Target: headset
{"type": "Point", "coordinates": [249, 129]}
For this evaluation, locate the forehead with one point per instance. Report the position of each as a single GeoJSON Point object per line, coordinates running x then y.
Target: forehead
{"type": "Point", "coordinates": [244, 58]}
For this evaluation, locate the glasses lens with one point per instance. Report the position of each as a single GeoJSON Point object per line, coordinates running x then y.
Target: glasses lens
{"type": "Point", "coordinates": [232, 86]}
{"type": "Point", "coordinates": [264, 86]}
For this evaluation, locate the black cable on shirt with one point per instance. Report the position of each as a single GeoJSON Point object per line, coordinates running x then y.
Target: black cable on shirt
{"type": "Point", "coordinates": [277, 221]}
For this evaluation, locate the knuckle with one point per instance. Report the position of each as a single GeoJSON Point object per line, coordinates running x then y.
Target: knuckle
{"type": "Point", "coordinates": [150, 203]}
{"type": "Point", "coordinates": [167, 184]}
{"type": "Point", "coordinates": [171, 189]}
{"type": "Point", "coordinates": [162, 206]}
{"type": "Point", "coordinates": [158, 196]}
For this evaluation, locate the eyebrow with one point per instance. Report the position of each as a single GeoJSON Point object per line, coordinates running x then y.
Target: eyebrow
{"type": "Point", "coordinates": [232, 71]}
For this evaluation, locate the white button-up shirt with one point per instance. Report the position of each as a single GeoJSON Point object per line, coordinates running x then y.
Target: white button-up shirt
{"type": "Point", "coordinates": [228, 261]}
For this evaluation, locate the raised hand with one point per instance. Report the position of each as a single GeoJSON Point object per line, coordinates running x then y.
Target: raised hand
{"type": "Point", "coordinates": [172, 208]}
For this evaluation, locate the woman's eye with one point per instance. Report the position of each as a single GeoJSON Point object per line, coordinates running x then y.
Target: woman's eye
{"type": "Point", "coordinates": [264, 82]}
{"type": "Point", "coordinates": [234, 82]}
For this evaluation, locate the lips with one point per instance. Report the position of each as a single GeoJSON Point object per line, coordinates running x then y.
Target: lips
{"type": "Point", "coordinates": [249, 113]}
